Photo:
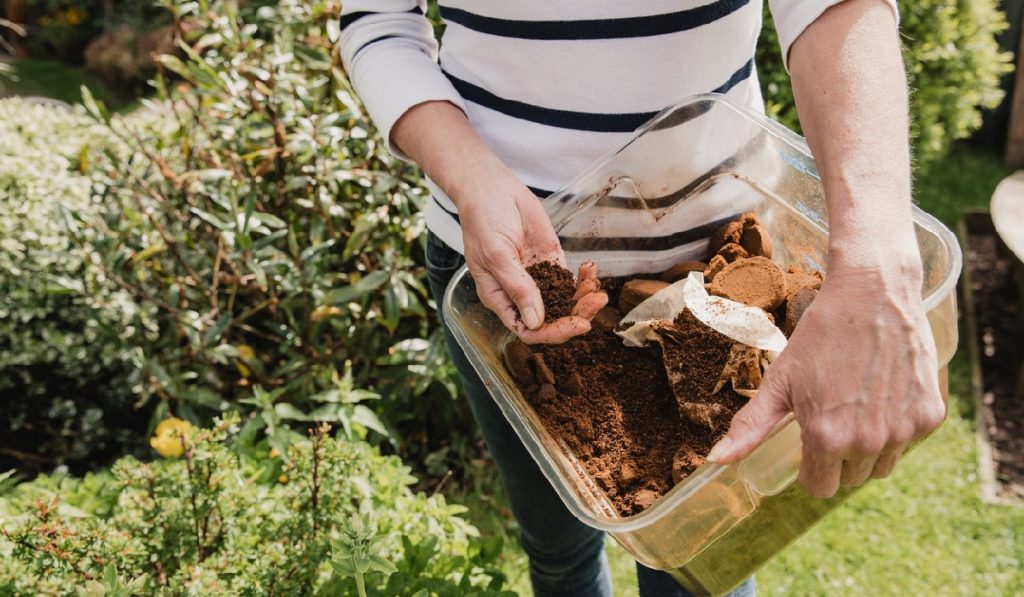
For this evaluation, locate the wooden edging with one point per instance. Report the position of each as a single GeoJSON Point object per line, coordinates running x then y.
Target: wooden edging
{"type": "Point", "coordinates": [978, 221]}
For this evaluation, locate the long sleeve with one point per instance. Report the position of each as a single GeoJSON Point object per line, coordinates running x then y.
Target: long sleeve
{"type": "Point", "coordinates": [389, 51]}
{"type": "Point", "coordinates": [792, 17]}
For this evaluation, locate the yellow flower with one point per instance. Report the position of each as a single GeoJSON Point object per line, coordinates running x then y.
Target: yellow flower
{"type": "Point", "coordinates": [245, 352]}
{"type": "Point", "coordinates": [283, 478]}
{"type": "Point", "coordinates": [74, 16]}
{"type": "Point", "coordinates": [323, 312]}
{"type": "Point", "coordinates": [274, 453]}
{"type": "Point", "coordinates": [167, 439]}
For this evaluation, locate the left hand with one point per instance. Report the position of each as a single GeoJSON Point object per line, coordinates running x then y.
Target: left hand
{"type": "Point", "coordinates": [860, 374]}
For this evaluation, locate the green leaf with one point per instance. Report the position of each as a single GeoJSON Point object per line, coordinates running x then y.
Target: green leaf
{"type": "Point", "coordinates": [364, 286]}
{"type": "Point", "coordinates": [367, 418]}
{"type": "Point", "coordinates": [95, 108]}
{"type": "Point", "coordinates": [212, 219]}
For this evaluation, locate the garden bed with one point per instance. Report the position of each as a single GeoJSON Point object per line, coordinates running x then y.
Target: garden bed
{"type": "Point", "coordinates": [995, 333]}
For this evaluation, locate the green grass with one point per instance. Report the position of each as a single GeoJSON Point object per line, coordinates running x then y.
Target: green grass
{"type": "Point", "coordinates": [50, 78]}
{"type": "Point", "coordinates": [924, 531]}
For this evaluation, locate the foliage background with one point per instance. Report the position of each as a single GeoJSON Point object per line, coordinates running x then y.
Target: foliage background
{"type": "Point", "coordinates": [954, 64]}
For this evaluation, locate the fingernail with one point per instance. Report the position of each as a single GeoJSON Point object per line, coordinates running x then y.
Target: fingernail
{"type": "Point", "coordinates": [531, 318]}
{"type": "Point", "coordinates": [720, 449]}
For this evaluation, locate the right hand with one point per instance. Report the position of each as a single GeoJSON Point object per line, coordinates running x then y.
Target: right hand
{"type": "Point", "coordinates": [505, 231]}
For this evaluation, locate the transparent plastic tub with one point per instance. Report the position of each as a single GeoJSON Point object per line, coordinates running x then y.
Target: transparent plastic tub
{"type": "Point", "coordinates": [692, 167]}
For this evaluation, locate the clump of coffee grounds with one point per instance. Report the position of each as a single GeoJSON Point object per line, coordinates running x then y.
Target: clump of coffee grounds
{"type": "Point", "coordinates": [695, 356]}
{"type": "Point", "coordinates": [557, 288]}
{"type": "Point", "coordinates": [614, 409]}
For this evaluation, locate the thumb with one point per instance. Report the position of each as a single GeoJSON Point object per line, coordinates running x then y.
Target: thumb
{"type": "Point", "coordinates": [753, 422]}
{"type": "Point", "coordinates": [521, 288]}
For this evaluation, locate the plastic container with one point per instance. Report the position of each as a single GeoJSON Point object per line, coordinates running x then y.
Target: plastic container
{"type": "Point", "coordinates": [693, 166]}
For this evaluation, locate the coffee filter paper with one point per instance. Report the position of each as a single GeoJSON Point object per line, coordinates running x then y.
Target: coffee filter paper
{"type": "Point", "coordinates": [747, 325]}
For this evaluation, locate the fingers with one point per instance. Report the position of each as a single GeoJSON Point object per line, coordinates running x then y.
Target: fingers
{"type": "Point", "coordinates": [752, 423]}
{"type": "Point", "coordinates": [493, 296]}
{"type": "Point", "coordinates": [820, 472]}
{"type": "Point", "coordinates": [886, 463]}
{"type": "Point", "coordinates": [588, 271]}
{"type": "Point", "coordinates": [585, 287]}
{"type": "Point", "coordinates": [556, 332]}
{"type": "Point", "coordinates": [588, 306]}
{"type": "Point", "coordinates": [518, 287]}
{"type": "Point", "coordinates": [856, 471]}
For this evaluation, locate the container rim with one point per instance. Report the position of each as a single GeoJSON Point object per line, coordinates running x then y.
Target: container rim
{"type": "Point", "coordinates": [709, 471]}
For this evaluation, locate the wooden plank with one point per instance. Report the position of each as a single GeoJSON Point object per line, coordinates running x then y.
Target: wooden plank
{"type": "Point", "coordinates": [1015, 136]}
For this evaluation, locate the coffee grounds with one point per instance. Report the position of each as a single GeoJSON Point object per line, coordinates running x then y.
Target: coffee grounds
{"type": "Point", "coordinates": [640, 420]}
{"type": "Point", "coordinates": [617, 411]}
{"type": "Point", "coordinates": [557, 288]}
{"type": "Point", "coordinates": [695, 356]}
{"type": "Point", "coordinates": [614, 409]}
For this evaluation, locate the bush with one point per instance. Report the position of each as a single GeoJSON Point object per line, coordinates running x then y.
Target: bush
{"type": "Point", "coordinates": [954, 64]}
{"type": "Point", "coordinates": [68, 377]}
{"type": "Point", "coordinates": [260, 215]}
{"type": "Point", "coordinates": [329, 517]}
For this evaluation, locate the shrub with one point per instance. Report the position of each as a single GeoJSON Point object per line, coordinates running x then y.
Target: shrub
{"type": "Point", "coordinates": [68, 377]}
{"type": "Point", "coordinates": [954, 64]}
{"type": "Point", "coordinates": [260, 215]}
{"type": "Point", "coordinates": [329, 517]}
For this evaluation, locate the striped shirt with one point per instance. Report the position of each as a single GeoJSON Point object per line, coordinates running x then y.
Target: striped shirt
{"type": "Point", "coordinates": [550, 85]}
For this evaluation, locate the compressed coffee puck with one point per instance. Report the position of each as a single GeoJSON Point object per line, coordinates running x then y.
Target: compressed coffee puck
{"type": "Point", "coordinates": [756, 281]}
{"type": "Point", "coordinates": [756, 241]}
{"type": "Point", "coordinates": [795, 307]}
{"type": "Point", "coordinates": [519, 362]}
{"type": "Point", "coordinates": [731, 232]}
{"type": "Point", "coordinates": [732, 252]}
{"type": "Point", "coordinates": [716, 265]}
{"type": "Point", "coordinates": [798, 278]}
{"type": "Point", "coordinates": [635, 292]}
{"type": "Point", "coordinates": [680, 270]}
{"type": "Point", "coordinates": [606, 320]}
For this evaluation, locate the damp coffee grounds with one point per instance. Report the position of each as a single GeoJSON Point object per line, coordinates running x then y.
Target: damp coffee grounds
{"type": "Point", "coordinates": [557, 288]}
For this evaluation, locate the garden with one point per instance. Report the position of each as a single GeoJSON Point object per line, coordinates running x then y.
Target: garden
{"type": "Point", "coordinates": [220, 368]}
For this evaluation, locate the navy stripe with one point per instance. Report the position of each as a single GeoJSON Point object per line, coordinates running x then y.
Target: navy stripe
{"type": "Point", "coordinates": [454, 215]}
{"type": "Point", "coordinates": [645, 26]}
{"type": "Point", "coordinates": [352, 17]}
{"type": "Point", "coordinates": [540, 192]}
{"type": "Point", "coordinates": [371, 42]}
{"type": "Point", "coordinates": [651, 243]}
{"type": "Point", "coordinates": [566, 119]}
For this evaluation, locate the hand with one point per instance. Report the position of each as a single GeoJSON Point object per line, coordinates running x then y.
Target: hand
{"type": "Point", "coordinates": [860, 375]}
{"type": "Point", "coordinates": [505, 232]}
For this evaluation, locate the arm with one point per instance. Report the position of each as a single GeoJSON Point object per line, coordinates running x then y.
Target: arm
{"type": "Point", "coordinates": [389, 51]}
{"type": "Point", "coordinates": [860, 370]}
{"type": "Point", "coordinates": [504, 226]}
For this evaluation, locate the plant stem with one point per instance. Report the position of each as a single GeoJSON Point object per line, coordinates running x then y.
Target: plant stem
{"type": "Point", "coordinates": [360, 584]}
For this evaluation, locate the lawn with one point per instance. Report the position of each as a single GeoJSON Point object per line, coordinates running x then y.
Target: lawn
{"type": "Point", "coordinates": [50, 78]}
{"type": "Point", "coordinates": [925, 530]}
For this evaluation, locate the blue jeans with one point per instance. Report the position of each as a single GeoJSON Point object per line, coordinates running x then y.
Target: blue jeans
{"type": "Point", "coordinates": [566, 556]}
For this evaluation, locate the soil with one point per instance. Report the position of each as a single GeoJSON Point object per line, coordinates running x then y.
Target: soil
{"type": "Point", "coordinates": [557, 288]}
{"type": "Point", "coordinates": [640, 420]}
{"type": "Point", "coordinates": [1000, 327]}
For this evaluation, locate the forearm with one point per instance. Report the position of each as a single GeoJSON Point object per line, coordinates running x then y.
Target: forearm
{"type": "Point", "coordinates": [851, 95]}
{"type": "Point", "coordinates": [439, 137]}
